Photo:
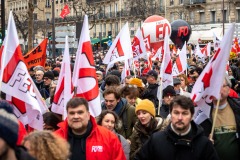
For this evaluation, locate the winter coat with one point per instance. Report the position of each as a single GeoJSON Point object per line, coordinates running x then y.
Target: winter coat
{"type": "Point", "coordinates": [127, 116]}
{"type": "Point", "coordinates": [141, 134]}
{"type": "Point", "coordinates": [125, 145]}
{"type": "Point", "coordinates": [101, 144]}
{"type": "Point", "coordinates": [167, 145]}
{"type": "Point", "coordinates": [151, 94]}
{"type": "Point", "coordinates": [22, 154]}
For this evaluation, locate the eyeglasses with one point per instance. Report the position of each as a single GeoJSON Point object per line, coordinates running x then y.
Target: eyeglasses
{"type": "Point", "coordinates": [132, 86]}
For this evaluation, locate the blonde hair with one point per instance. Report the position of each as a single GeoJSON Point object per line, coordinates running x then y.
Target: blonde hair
{"type": "Point", "coordinates": [45, 145]}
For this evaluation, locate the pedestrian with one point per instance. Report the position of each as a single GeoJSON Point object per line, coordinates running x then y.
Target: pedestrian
{"type": "Point", "coordinates": [8, 138]}
{"type": "Point", "coordinates": [147, 123]}
{"type": "Point", "coordinates": [183, 139]}
{"type": "Point", "coordinates": [87, 140]}
{"type": "Point", "coordinates": [45, 145]}
{"type": "Point", "coordinates": [110, 120]}
{"type": "Point", "coordinates": [126, 112]}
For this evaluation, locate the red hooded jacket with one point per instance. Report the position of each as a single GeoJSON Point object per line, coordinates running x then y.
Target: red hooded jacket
{"type": "Point", "coordinates": [101, 144]}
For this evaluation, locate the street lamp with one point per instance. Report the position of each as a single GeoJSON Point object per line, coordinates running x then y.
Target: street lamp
{"type": "Point", "coordinates": [53, 31]}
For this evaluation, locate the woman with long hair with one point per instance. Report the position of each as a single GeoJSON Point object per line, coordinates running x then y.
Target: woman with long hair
{"type": "Point", "coordinates": [145, 126]}
{"type": "Point", "coordinates": [110, 120]}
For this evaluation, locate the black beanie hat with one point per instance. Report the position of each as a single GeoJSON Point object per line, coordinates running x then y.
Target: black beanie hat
{"type": "Point", "coordinates": [8, 128]}
{"type": "Point", "coordinates": [169, 90]}
{"type": "Point", "coordinates": [49, 74]}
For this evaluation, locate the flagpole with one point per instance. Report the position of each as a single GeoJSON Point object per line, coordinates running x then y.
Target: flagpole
{"type": "Point", "coordinates": [214, 120]}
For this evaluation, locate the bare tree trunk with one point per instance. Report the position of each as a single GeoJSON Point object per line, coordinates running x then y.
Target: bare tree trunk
{"type": "Point", "coordinates": [30, 24]}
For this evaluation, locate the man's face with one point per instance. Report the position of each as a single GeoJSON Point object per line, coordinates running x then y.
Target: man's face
{"type": "Point", "coordinates": [78, 119]}
{"type": "Point", "coordinates": [47, 81]}
{"type": "Point", "coordinates": [39, 75]}
{"type": "Point", "coordinates": [167, 99]}
{"type": "Point", "coordinates": [151, 80]}
{"type": "Point", "coordinates": [99, 77]}
{"type": "Point", "coordinates": [181, 118]}
{"type": "Point", "coordinates": [224, 92]}
{"type": "Point", "coordinates": [131, 100]}
{"type": "Point", "coordinates": [3, 148]}
{"type": "Point", "coordinates": [120, 69]}
{"type": "Point", "coordinates": [111, 101]}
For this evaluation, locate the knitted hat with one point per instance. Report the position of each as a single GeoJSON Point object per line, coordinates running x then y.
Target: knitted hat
{"type": "Point", "coordinates": [137, 82]}
{"type": "Point", "coordinates": [49, 75]}
{"type": "Point", "coordinates": [146, 105]}
{"type": "Point", "coordinates": [8, 128]}
{"type": "Point", "coordinates": [55, 73]}
{"type": "Point", "coordinates": [169, 90]}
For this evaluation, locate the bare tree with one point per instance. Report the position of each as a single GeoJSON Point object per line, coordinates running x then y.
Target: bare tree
{"type": "Point", "coordinates": [30, 24]}
{"type": "Point", "coordinates": [143, 8]}
{"type": "Point", "coordinates": [21, 20]}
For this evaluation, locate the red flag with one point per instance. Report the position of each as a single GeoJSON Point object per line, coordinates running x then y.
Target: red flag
{"type": "Point", "coordinates": [209, 83]}
{"type": "Point", "coordinates": [17, 83]}
{"type": "Point", "coordinates": [65, 11]}
{"type": "Point", "coordinates": [181, 62]}
{"type": "Point", "coordinates": [64, 89]}
{"type": "Point", "coordinates": [84, 73]}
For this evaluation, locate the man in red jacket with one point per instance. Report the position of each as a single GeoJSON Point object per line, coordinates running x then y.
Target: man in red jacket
{"type": "Point", "coordinates": [87, 140]}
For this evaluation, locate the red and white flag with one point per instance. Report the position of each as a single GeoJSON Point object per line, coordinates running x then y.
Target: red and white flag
{"type": "Point", "coordinates": [138, 46]}
{"type": "Point", "coordinates": [65, 11]}
{"type": "Point", "coordinates": [181, 62]}
{"type": "Point", "coordinates": [120, 49]}
{"type": "Point", "coordinates": [126, 70]}
{"type": "Point", "coordinates": [209, 83]}
{"type": "Point", "coordinates": [166, 66]}
{"type": "Point", "coordinates": [206, 49]}
{"type": "Point", "coordinates": [200, 56]}
{"type": "Point", "coordinates": [64, 89]}
{"type": "Point", "coordinates": [84, 73]}
{"type": "Point", "coordinates": [17, 84]}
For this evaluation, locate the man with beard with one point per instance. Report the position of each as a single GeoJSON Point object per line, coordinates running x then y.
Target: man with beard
{"type": "Point", "coordinates": [183, 139]}
{"type": "Point", "coordinates": [8, 138]}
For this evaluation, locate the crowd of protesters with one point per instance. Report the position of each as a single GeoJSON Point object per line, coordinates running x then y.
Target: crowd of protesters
{"type": "Point", "coordinates": [129, 126]}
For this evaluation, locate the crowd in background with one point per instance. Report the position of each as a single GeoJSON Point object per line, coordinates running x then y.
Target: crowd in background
{"type": "Point", "coordinates": [129, 111]}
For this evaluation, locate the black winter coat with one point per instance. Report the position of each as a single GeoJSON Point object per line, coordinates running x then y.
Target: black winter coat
{"type": "Point", "coordinates": [167, 145]}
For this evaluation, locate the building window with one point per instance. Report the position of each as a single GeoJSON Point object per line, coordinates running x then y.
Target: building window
{"type": "Point", "coordinates": [192, 16]}
{"type": "Point", "coordinates": [104, 30]}
{"type": "Point", "coordinates": [132, 28]}
{"type": "Point", "coordinates": [180, 1]}
{"type": "Point", "coordinates": [202, 17]}
{"type": "Point", "coordinates": [213, 16]}
{"type": "Point", "coordinates": [225, 15]}
{"type": "Point", "coordinates": [110, 27]}
{"type": "Point", "coordinates": [139, 24]}
{"type": "Point", "coordinates": [172, 17]}
{"type": "Point", "coordinates": [116, 28]}
{"type": "Point", "coordinates": [171, 2]}
{"type": "Point", "coordinates": [238, 15]}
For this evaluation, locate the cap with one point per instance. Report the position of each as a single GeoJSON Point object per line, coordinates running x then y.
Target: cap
{"type": "Point", "coordinates": [176, 81]}
{"type": "Point", "coordinates": [152, 73]}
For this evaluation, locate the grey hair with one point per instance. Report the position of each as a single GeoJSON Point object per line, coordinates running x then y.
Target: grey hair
{"type": "Point", "coordinates": [228, 82]}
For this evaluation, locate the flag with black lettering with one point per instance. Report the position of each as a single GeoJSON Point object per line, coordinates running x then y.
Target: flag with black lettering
{"type": "Point", "coordinates": [17, 83]}
{"type": "Point", "coordinates": [37, 56]}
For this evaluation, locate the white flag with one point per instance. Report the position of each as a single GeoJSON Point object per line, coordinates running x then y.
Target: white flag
{"type": "Point", "coordinates": [17, 83]}
{"type": "Point", "coordinates": [120, 49]}
{"type": "Point", "coordinates": [84, 74]}
{"type": "Point", "coordinates": [64, 89]}
{"type": "Point", "coordinates": [209, 83]}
